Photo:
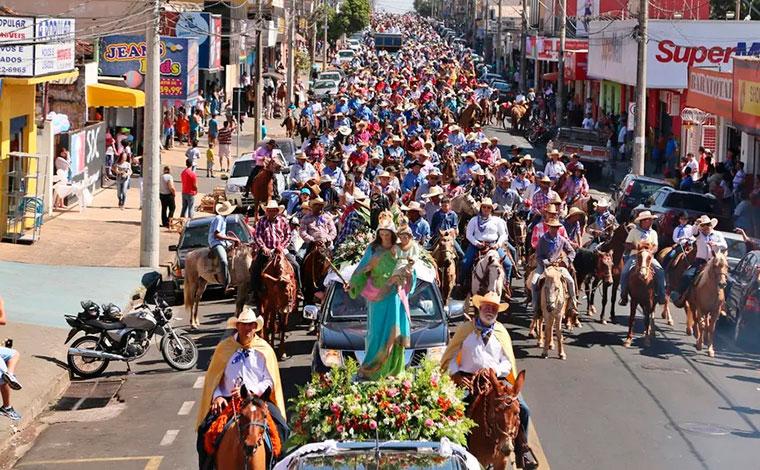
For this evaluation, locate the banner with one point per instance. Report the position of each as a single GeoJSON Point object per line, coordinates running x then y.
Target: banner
{"type": "Point", "coordinates": [547, 49]}
{"type": "Point", "coordinates": [123, 55]}
{"type": "Point", "coordinates": [206, 29]}
{"type": "Point", "coordinates": [586, 9]}
{"type": "Point", "coordinates": [34, 47]}
{"type": "Point", "coordinates": [87, 148]}
{"type": "Point", "coordinates": [746, 90]}
{"type": "Point", "coordinates": [710, 91]}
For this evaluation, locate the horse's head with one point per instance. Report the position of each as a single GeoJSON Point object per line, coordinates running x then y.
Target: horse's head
{"type": "Point", "coordinates": [444, 252]}
{"type": "Point", "coordinates": [603, 268]}
{"type": "Point", "coordinates": [719, 269]}
{"type": "Point", "coordinates": [644, 261]}
{"type": "Point", "coordinates": [500, 411]}
{"type": "Point", "coordinates": [251, 422]}
{"type": "Point", "coordinates": [553, 288]}
{"type": "Point", "coordinates": [520, 229]}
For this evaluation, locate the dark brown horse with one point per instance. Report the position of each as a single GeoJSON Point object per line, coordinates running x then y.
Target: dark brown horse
{"type": "Point", "coordinates": [641, 285]}
{"type": "Point", "coordinates": [592, 268]}
{"type": "Point", "coordinates": [448, 167]}
{"type": "Point", "coordinates": [263, 184]}
{"type": "Point", "coordinates": [242, 445]}
{"type": "Point", "coordinates": [445, 257]}
{"type": "Point", "coordinates": [316, 264]}
{"type": "Point", "coordinates": [616, 245]}
{"type": "Point", "coordinates": [496, 411]}
{"type": "Point", "coordinates": [278, 299]}
{"type": "Point", "coordinates": [673, 274]}
{"type": "Point", "coordinates": [517, 229]}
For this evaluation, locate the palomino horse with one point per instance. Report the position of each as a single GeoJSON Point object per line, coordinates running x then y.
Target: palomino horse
{"type": "Point", "coordinates": [242, 444]}
{"type": "Point", "coordinates": [201, 270]}
{"type": "Point", "coordinates": [707, 297]}
{"type": "Point", "coordinates": [278, 299]}
{"type": "Point", "coordinates": [673, 274]}
{"type": "Point", "coordinates": [445, 257]}
{"type": "Point", "coordinates": [616, 245]}
{"type": "Point", "coordinates": [641, 286]}
{"type": "Point", "coordinates": [553, 304]}
{"type": "Point", "coordinates": [592, 268]}
{"type": "Point", "coordinates": [316, 264]}
{"type": "Point", "coordinates": [496, 410]}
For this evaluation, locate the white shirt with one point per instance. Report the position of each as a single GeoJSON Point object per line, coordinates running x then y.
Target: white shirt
{"type": "Point", "coordinates": [302, 173]}
{"type": "Point", "coordinates": [250, 371]}
{"type": "Point", "coordinates": [703, 250]}
{"type": "Point", "coordinates": [493, 231]}
{"type": "Point", "coordinates": [588, 123]}
{"type": "Point", "coordinates": [681, 233]}
{"type": "Point", "coordinates": [475, 356]}
{"type": "Point", "coordinates": [520, 98]}
{"type": "Point", "coordinates": [554, 169]}
{"type": "Point", "coordinates": [692, 163]}
{"type": "Point", "coordinates": [621, 135]}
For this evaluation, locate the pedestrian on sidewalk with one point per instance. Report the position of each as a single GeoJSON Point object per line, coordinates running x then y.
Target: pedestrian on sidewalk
{"type": "Point", "coordinates": [122, 170]}
{"type": "Point", "coordinates": [167, 193]}
{"type": "Point", "coordinates": [213, 129]}
{"type": "Point", "coordinates": [210, 160]}
{"type": "Point", "coordinates": [225, 142]}
{"type": "Point", "coordinates": [194, 154]}
{"type": "Point", "coordinates": [8, 381]}
{"type": "Point", "coordinates": [189, 189]}
{"type": "Point", "coordinates": [168, 125]}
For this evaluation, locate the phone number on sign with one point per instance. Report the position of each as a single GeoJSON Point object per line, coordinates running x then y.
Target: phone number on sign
{"type": "Point", "coordinates": [171, 87]}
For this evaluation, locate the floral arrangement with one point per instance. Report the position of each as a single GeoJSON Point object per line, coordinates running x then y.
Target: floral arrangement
{"type": "Point", "coordinates": [352, 249]}
{"type": "Point", "coordinates": [420, 404]}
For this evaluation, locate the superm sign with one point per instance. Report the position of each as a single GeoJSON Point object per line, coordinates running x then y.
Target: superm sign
{"type": "Point", "coordinates": [674, 46]}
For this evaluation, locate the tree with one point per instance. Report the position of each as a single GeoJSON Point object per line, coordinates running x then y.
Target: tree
{"type": "Point", "coordinates": [353, 17]}
{"type": "Point", "coordinates": [423, 7]}
{"type": "Point", "coordinates": [720, 7]}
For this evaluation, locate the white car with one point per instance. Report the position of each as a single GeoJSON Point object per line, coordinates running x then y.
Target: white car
{"type": "Point", "coordinates": [354, 44]}
{"type": "Point", "coordinates": [322, 88]}
{"type": "Point", "coordinates": [241, 169]}
{"type": "Point", "coordinates": [333, 75]}
{"type": "Point", "coordinates": [345, 56]}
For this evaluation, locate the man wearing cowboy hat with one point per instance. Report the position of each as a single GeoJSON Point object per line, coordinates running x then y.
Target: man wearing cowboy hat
{"type": "Point", "coordinates": [602, 221]}
{"type": "Point", "coordinates": [483, 155]}
{"type": "Point", "coordinates": [218, 239]}
{"type": "Point", "coordinates": [432, 179]}
{"type": "Point", "coordinates": [572, 224]}
{"type": "Point", "coordinates": [317, 227]}
{"type": "Point", "coordinates": [395, 152]}
{"type": "Point", "coordinates": [550, 248]}
{"type": "Point", "coordinates": [419, 226]}
{"type": "Point", "coordinates": [241, 360]}
{"type": "Point", "coordinates": [494, 148]}
{"type": "Point", "coordinates": [272, 234]}
{"type": "Point", "coordinates": [432, 202]}
{"type": "Point", "coordinates": [456, 137]}
{"type": "Point", "coordinates": [464, 172]}
{"type": "Point", "coordinates": [443, 220]}
{"type": "Point", "coordinates": [302, 171]}
{"type": "Point", "coordinates": [642, 233]}
{"type": "Point", "coordinates": [550, 212]}
{"type": "Point", "coordinates": [576, 187]}
{"type": "Point", "coordinates": [413, 178]}
{"type": "Point", "coordinates": [554, 167]}
{"type": "Point", "coordinates": [504, 196]}
{"type": "Point", "coordinates": [334, 171]}
{"type": "Point", "coordinates": [484, 343]}
{"type": "Point", "coordinates": [520, 183]}
{"type": "Point", "coordinates": [707, 241]}
{"type": "Point", "coordinates": [485, 230]}
{"type": "Point", "coordinates": [543, 196]}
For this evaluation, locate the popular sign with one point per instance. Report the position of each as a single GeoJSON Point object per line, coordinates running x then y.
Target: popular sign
{"type": "Point", "coordinates": [32, 47]}
{"type": "Point", "coordinates": [673, 48]}
{"type": "Point", "coordinates": [125, 55]}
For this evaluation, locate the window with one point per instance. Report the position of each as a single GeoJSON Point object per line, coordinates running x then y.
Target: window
{"type": "Point", "coordinates": [241, 168]}
{"type": "Point", "coordinates": [423, 304]}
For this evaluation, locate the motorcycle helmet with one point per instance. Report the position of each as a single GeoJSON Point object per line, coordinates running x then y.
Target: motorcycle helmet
{"type": "Point", "coordinates": [111, 313]}
{"type": "Point", "coordinates": [90, 310]}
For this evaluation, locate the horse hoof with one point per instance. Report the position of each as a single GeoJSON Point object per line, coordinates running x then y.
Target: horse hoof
{"type": "Point", "coordinates": [531, 334]}
{"type": "Point", "coordinates": [688, 331]}
{"type": "Point", "coordinates": [710, 352]}
{"type": "Point", "coordinates": [551, 346]}
{"type": "Point", "coordinates": [563, 356]}
{"type": "Point", "coordinates": [544, 355]}
{"type": "Point", "coordinates": [699, 347]}
{"type": "Point", "coordinates": [627, 342]}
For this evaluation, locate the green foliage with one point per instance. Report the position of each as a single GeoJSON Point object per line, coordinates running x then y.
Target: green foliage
{"type": "Point", "coordinates": [720, 7]}
{"type": "Point", "coordinates": [423, 7]}
{"type": "Point", "coordinates": [420, 404]}
{"type": "Point", "coordinates": [302, 61]}
{"type": "Point", "coordinates": [353, 17]}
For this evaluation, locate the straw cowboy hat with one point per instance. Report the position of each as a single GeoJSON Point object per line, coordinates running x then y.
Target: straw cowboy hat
{"type": "Point", "coordinates": [554, 153]}
{"type": "Point", "coordinates": [362, 201]}
{"type": "Point", "coordinates": [526, 158]}
{"type": "Point", "coordinates": [248, 315]}
{"type": "Point", "coordinates": [490, 298]}
{"type": "Point", "coordinates": [317, 202]}
{"type": "Point", "coordinates": [603, 202]}
{"type": "Point", "coordinates": [324, 179]}
{"type": "Point", "coordinates": [487, 202]}
{"type": "Point", "coordinates": [549, 209]}
{"type": "Point", "coordinates": [434, 191]}
{"type": "Point", "coordinates": [454, 128]}
{"type": "Point", "coordinates": [555, 199]}
{"type": "Point", "coordinates": [644, 215]}
{"type": "Point", "coordinates": [272, 205]}
{"type": "Point", "coordinates": [344, 130]}
{"type": "Point", "coordinates": [224, 208]}
{"type": "Point", "coordinates": [574, 211]}
{"type": "Point", "coordinates": [384, 174]}
{"type": "Point", "coordinates": [553, 223]}
{"type": "Point", "coordinates": [477, 171]}
{"type": "Point", "coordinates": [414, 206]}
{"type": "Point", "coordinates": [300, 155]}
{"type": "Point", "coordinates": [544, 180]}
{"type": "Point", "coordinates": [705, 220]}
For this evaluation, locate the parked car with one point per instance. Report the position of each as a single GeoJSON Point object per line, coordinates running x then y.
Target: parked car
{"type": "Point", "coordinates": [334, 75]}
{"type": "Point", "coordinates": [352, 455]}
{"type": "Point", "coordinates": [486, 77]}
{"type": "Point", "coordinates": [342, 322]}
{"type": "Point", "coordinates": [195, 236]}
{"type": "Point", "coordinates": [241, 169]}
{"type": "Point", "coordinates": [325, 88]}
{"type": "Point", "coordinates": [589, 144]}
{"type": "Point", "coordinates": [743, 297]}
{"type": "Point", "coordinates": [666, 203]}
{"type": "Point", "coordinates": [632, 191]}
{"type": "Point", "coordinates": [390, 42]}
{"type": "Point", "coordinates": [345, 56]}
{"type": "Point", "coordinates": [353, 44]}
{"type": "Point", "coordinates": [736, 248]}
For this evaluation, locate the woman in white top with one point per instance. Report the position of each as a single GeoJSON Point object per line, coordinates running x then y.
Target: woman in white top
{"type": "Point", "coordinates": [122, 169]}
{"type": "Point", "coordinates": [63, 168]}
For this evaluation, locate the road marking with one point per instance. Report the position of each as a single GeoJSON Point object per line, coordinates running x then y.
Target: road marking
{"type": "Point", "coordinates": [185, 408]}
{"type": "Point", "coordinates": [153, 461]}
{"type": "Point", "coordinates": [169, 437]}
{"type": "Point", "coordinates": [199, 382]}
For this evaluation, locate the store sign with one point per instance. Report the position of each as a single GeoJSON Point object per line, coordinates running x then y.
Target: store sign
{"type": "Point", "coordinates": [746, 95]}
{"type": "Point", "coordinates": [710, 91]}
{"type": "Point", "coordinates": [33, 47]}
{"type": "Point", "coordinates": [673, 48]}
{"type": "Point", "coordinates": [87, 148]}
{"type": "Point", "coordinates": [547, 49]}
{"type": "Point", "coordinates": [125, 56]}
{"type": "Point", "coordinates": [585, 10]}
{"type": "Point", "coordinates": [206, 29]}
{"type": "Point", "coordinates": [576, 65]}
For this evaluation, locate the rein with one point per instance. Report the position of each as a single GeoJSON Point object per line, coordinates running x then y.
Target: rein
{"type": "Point", "coordinates": [483, 388]}
{"type": "Point", "coordinates": [248, 450]}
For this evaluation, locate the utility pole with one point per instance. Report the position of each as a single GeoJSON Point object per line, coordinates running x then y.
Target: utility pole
{"type": "Point", "coordinates": [149, 219]}
{"type": "Point", "coordinates": [561, 63]}
{"type": "Point", "coordinates": [258, 92]}
{"type": "Point", "coordinates": [324, 46]}
{"type": "Point", "coordinates": [291, 79]}
{"type": "Point", "coordinates": [738, 14]}
{"type": "Point", "coordinates": [524, 47]}
{"type": "Point", "coordinates": [500, 43]}
{"type": "Point", "coordinates": [639, 136]}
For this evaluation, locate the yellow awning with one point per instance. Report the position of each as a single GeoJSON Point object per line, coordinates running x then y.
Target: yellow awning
{"type": "Point", "coordinates": [111, 96]}
{"type": "Point", "coordinates": [41, 79]}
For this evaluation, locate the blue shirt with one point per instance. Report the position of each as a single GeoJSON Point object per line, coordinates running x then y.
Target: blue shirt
{"type": "Point", "coordinates": [463, 173]}
{"type": "Point", "coordinates": [411, 181]}
{"type": "Point", "coordinates": [339, 179]}
{"type": "Point", "coordinates": [457, 140]}
{"type": "Point", "coordinates": [218, 224]}
{"type": "Point", "coordinates": [420, 230]}
{"type": "Point", "coordinates": [444, 221]}
{"type": "Point", "coordinates": [686, 183]}
{"type": "Point", "coordinates": [213, 128]}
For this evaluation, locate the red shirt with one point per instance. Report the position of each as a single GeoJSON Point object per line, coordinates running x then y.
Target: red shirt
{"type": "Point", "coordinates": [189, 182]}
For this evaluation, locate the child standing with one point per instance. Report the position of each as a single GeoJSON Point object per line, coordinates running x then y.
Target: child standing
{"type": "Point", "coordinates": [210, 160]}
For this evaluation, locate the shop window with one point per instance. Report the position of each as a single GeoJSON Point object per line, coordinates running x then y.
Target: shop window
{"type": "Point", "coordinates": [17, 130]}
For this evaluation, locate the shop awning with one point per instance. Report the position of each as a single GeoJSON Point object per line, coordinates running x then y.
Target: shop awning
{"type": "Point", "coordinates": [111, 96]}
{"type": "Point", "coordinates": [551, 76]}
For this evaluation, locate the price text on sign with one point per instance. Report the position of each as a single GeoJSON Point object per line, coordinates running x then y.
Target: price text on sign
{"type": "Point", "coordinates": [171, 87]}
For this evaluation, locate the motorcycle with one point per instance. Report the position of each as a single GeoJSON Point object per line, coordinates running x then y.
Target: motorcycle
{"type": "Point", "coordinates": [111, 336]}
{"type": "Point", "coordinates": [540, 132]}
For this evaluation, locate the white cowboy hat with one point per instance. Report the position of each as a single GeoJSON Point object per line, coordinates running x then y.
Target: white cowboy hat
{"type": "Point", "coordinates": [643, 215]}
{"type": "Point", "coordinates": [272, 205]}
{"type": "Point", "coordinates": [248, 315]}
{"type": "Point", "coordinates": [554, 153]}
{"type": "Point", "coordinates": [704, 220]}
{"type": "Point", "coordinates": [415, 206]}
{"type": "Point", "coordinates": [224, 208]}
{"type": "Point", "coordinates": [384, 174]}
{"type": "Point", "coordinates": [487, 202]}
{"type": "Point", "coordinates": [489, 298]}
{"type": "Point", "coordinates": [603, 202]}
{"type": "Point", "coordinates": [434, 191]}
{"type": "Point", "coordinates": [344, 130]}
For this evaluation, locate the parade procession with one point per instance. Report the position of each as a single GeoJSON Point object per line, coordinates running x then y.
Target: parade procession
{"type": "Point", "coordinates": [424, 235]}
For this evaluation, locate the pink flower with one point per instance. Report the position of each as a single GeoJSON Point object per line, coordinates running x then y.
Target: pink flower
{"type": "Point", "coordinates": [396, 410]}
{"type": "Point", "coordinates": [310, 392]}
{"type": "Point", "coordinates": [340, 428]}
{"type": "Point", "coordinates": [335, 408]}
{"type": "Point", "coordinates": [373, 424]}
{"type": "Point", "coordinates": [407, 384]}
{"type": "Point", "coordinates": [392, 392]}
{"type": "Point", "coordinates": [434, 381]}
{"type": "Point", "coordinates": [429, 422]}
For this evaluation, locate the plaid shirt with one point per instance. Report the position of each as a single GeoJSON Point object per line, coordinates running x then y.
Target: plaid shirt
{"type": "Point", "coordinates": [354, 222]}
{"type": "Point", "coordinates": [541, 199]}
{"type": "Point", "coordinates": [539, 230]}
{"type": "Point", "coordinates": [272, 234]}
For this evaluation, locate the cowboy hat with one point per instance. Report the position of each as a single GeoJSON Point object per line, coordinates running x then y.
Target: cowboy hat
{"type": "Point", "coordinates": [550, 209]}
{"type": "Point", "coordinates": [468, 155]}
{"type": "Point", "coordinates": [325, 179]}
{"type": "Point", "coordinates": [317, 201]}
{"type": "Point", "coordinates": [705, 220]}
{"type": "Point", "coordinates": [247, 315]}
{"type": "Point", "coordinates": [477, 171]}
{"type": "Point", "coordinates": [272, 205]}
{"type": "Point", "coordinates": [434, 191]}
{"type": "Point", "coordinates": [554, 153]}
{"type": "Point", "coordinates": [344, 130]}
{"type": "Point", "coordinates": [574, 211]}
{"type": "Point", "coordinates": [335, 158]}
{"type": "Point", "coordinates": [526, 158]}
{"type": "Point", "coordinates": [300, 155]}
{"type": "Point", "coordinates": [644, 215]}
{"type": "Point", "coordinates": [487, 202]}
{"type": "Point", "coordinates": [362, 201]}
{"type": "Point", "coordinates": [580, 167]}
{"type": "Point", "coordinates": [454, 128]}
{"type": "Point", "coordinates": [489, 298]}
{"type": "Point", "coordinates": [429, 143]}
{"type": "Point", "coordinates": [405, 229]}
{"type": "Point", "coordinates": [494, 139]}
{"type": "Point", "coordinates": [485, 140]}
{"type": "Point", "coordinates": [602, 203]}
{"type": "Point", "coordinates": [555, 199]}
{"type": "Point", "coordinates": [434, 172]}
{"type": "Point", "coordinates": [384, 174]}
{"type": "Point", "coordinates": [553, 223]}
{"type": "Point", "coordinates": [397, 138]}
{"type": "Point", "coordinates": [471, 136]}
{"type": "Point", "coordinates": [224, 208]}
{"type": "Point", "coordinates": [502, 162]}
{"type": "Point", "coordinates": [544, 179]}
{"type": "Point", "coordinates": [414, 206]}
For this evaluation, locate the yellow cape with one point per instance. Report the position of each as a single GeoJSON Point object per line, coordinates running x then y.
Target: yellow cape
{"type": "Point", "coordinates": [224, 351]}
{"type": "Point", "coordinates": [455, 346]}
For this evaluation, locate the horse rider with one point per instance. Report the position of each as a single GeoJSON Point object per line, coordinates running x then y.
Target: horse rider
{"type": "Point", "coordinates": [554, 168]}
{"type": "Point", "coordinates": [485, 231]}
{"type": "Point", "coordinates": [241, 360]}
{"type": "Point", "coordinates": [707, 242]}
{"type": "Point", "coordinates": [317, 227]}
{"type": "Point", "coordinates": [576, 186]}
{"type": "Point", "coordinates": [541, 198]}
{"type": "Point", "coordinates": [682, 235]}
{"type": "Point", "coordinates": [218, 239]}
{"type": "Point", "coordinates": [484, 343]}
{"type": "Point", "coordinates": [505, 196]}
{"type": "Point", "coordinates": [549, 213]}
{"type": "Point", "coordinates": [602, 220]}
{"type": "Point", "coordinates": [272, 235]}
{"type": "Point", "coordinates": [259, 159]}
{"type": "Point", "coordinates": [417, 223]}
{"type": "Point", "coordinates": [302, 171]}
{"type": "Point", "coordinates": [642, 232]}
{"type": "Point", "coordinates": [550, 248]}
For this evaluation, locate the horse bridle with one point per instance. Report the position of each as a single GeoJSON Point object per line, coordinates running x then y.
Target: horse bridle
{"type": "Point", "coordinates": [482, 387]}
{"type": "Point", "coordinates": [248, 450]}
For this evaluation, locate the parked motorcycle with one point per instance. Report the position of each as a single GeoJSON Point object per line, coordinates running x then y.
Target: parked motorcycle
{"type": "Point", "coordinates": [111, 336]}
{"type": "Point", "coordinates": [540, 132]}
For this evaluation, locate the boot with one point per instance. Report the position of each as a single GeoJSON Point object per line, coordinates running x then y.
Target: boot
{"type": "Point", "coordinates": [524, 457]}
{"type": "Point", "coordinates": [623, 299]}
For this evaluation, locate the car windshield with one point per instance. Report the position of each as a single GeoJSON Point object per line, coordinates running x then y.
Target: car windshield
{"type": "Point", "coordinates": [241, 168]}
{"type": "Point", "coordinates": [423, 304]}
{"type": "Point", "coordinates": [346, 53]}
{"type": "Point", "coordinates": [196, 236]}
{"type": "Point", "coordinates": [645, 188]}
{"type": "Point", "coordinates": [329, 76]}
{"type": "Point", "coordinates": [389, 460]}
{"type": "Point", "coordinates": [324, 84]}
{"type": "Point", "coordinates": [694, 202]}
{"type": "Point", "coordinates": [736, 248]}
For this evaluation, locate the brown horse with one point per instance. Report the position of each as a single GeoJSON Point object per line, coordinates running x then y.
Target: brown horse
{"type": "Point", "coordinates": [201, 270]}
{"type": "Point", "coordinates": [518, 113]}
{"type": "Point", "coordinates": [278, 299]}
{"type": "Point", "coordinates": [487, 276]}
{"type": "Point", "coordinates": [469, 116]}
{"type": "Point", "coordinates": [291, 125]}
{"type": "Point", "coordinates": [616, 245]}
{"type": "Point", "coordinates": [517, 230]}
{"type": "Point", "coordinates": [673, 274]}
{"type": "Point", "coordinates": [641, 286]}
{"type": "Point", "coordinates": [485, 106]}
{"type": "Point", "coordinates": [448, 167]}
{"type": "Point", "coordinates": [496, 411]}
{"type": "Point", "coordinates": [242, 444]}
{"type": "Point", "coordinates": [316, 264]}
{"type": "Point", "coordinates": [553, 305]}
{"type": "Point", "coordinates": [263, 184]}
{"type": "Point", "coordinates": [445, 257]}
{"type": "Point", "coordinates": [707, 297]}
{"type": "Point", "coordinates": [592, 268]}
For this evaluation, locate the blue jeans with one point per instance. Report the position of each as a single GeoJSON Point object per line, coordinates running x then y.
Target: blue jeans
{"type": "Point", "coordinates": [122, 185]}
{"type": "Point", "coordinates": [659, 278]}
{"type": "Point", "coordinates": [188, 201]}
{"type": "Point", "coordinates": [469, 260]}
{"type": "Point", "coordinates": [221, 252]}
{"type": "Point", "coordinates": [524, 414]}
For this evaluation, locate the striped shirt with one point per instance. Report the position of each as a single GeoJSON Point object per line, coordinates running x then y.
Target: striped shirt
{"type": "Point", "coordinates": [225, 135]}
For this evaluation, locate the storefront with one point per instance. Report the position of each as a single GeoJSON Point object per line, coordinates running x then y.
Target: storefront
{"type": "Point", "coordinates": [707, 119]}
{"type": "Point", "coordinates": [746, 110]}
{"type": "Point", "coordinates": [544, 52]}
{"type": "Point", "coordinates": [206, 29]}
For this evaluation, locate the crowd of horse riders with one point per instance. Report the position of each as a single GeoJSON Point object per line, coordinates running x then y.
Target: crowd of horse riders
{"type": "Point", "coordinates": [405, 134]}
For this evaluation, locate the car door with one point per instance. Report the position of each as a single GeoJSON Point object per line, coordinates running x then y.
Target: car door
{"type": "Point", "coordinates": [738, 281]}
